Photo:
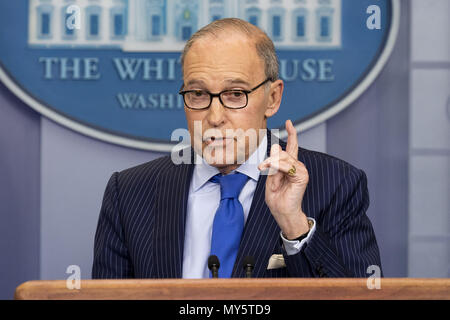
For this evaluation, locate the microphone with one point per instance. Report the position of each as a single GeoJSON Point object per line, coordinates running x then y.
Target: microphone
{"type": "Point", "coordinates": [214, 265]}
{"type": "Point", "coordinates": [248, 265]}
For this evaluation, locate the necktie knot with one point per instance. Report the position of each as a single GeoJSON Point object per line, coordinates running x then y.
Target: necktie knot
{"type": "Point", "coordinates": [230, 185]}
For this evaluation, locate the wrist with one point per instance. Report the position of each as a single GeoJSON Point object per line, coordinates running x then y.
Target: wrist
{"type": "Point", "coordinates": [299, 229]}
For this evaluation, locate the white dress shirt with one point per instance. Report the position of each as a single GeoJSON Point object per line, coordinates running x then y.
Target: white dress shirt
{"type": "Point", "coordinates": [203, 201]}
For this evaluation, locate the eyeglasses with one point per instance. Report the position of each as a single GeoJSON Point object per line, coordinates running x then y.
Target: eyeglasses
{"type": "Point", "coordinates": [232, 99]}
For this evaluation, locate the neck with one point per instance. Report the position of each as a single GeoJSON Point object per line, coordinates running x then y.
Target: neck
{"type": "Point", "coordinates": [227, 169]}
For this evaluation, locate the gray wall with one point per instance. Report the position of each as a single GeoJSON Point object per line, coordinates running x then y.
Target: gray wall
{"type": "Point", "coordinates": [19, 193]}
{"type": "Point", "coordinates": [429, 148]}
{"type": "Point", "coordinates": [53, 178]}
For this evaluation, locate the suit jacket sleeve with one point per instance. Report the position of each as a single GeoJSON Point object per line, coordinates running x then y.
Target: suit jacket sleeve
{"type": "Point", "coordinates": [111, 259]}
{"type": "Point", "coordinates": [343, 244]}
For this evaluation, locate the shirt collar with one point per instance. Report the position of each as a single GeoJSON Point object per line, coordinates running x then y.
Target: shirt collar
{"type": "Point", "coordinates": [203, 171]}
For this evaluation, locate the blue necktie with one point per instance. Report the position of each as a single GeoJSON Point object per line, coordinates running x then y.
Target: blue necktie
{"type": "Point", "coordinates": [228, 221]}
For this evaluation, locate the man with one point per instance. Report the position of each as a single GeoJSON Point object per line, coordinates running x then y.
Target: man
{"type": "Point", "coordinates": [306, 218]}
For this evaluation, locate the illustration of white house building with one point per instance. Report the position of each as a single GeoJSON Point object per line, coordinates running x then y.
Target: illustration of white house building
{"type": "Point", "coordinates": [165, 25]}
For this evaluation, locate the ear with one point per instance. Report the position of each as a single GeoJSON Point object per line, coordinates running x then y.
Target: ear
{"type": "Point", "coordinates": [274, 99]}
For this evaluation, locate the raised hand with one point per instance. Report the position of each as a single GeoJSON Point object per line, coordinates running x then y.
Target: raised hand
{"type": "Point", "coordinates": [286, 187]}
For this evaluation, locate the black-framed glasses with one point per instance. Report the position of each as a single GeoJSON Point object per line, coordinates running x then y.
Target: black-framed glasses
{"type": "Point", "coordinates": [232, 99]}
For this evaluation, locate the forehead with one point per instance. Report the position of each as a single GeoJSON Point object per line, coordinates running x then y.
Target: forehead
{"type": "Point", "coordinates": [223, 58]}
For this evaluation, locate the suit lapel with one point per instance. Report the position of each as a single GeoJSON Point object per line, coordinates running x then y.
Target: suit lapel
{"type": "Point", "coordinates": [172, 194]}
{"type": "Point", "coordinates": [261, 235]}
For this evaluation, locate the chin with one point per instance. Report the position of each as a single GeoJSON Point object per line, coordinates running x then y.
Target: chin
{"type": "Point", "coordinates": [224, 156]}
{"type": "Point", "coordinates": [218, 158]}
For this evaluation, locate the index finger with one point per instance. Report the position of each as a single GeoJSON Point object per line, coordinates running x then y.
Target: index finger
{"type": "Point", "coordinates": [292, 140]}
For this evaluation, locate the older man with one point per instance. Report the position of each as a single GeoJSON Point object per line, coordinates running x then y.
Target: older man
{"type": "Point", "coordinates": [305, 219]}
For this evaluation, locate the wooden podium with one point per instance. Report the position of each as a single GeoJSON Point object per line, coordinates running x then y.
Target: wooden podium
{"type": "Point", "coordinates": [239, 289]}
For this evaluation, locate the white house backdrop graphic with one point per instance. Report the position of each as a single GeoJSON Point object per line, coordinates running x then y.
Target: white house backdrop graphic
{"type": "Point", "coordinates": [165, 25]}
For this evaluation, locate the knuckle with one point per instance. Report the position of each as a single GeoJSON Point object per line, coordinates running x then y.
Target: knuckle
{"type": "Point", "coordinates": [302, 165]}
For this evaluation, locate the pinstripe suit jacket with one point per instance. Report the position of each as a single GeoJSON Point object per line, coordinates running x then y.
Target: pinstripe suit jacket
{"type": "Point", "coordinates": [140, 232]}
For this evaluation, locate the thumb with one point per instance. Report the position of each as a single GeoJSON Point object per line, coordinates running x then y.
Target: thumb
{"type": "Point", "coordinates": [275, 158]}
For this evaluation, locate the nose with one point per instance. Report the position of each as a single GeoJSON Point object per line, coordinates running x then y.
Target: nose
{"type": "Point", "coordinates": [216, 113]}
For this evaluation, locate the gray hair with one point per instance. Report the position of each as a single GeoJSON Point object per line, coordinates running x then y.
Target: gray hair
{"type": "Point", "coordinates": [264, 45]}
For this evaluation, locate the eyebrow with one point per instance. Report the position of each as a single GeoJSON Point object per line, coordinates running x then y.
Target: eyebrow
{"type": "Point", "coordinates": [228, 82]}
{"type": "Point", "coordinates": [237, 81]}
{"type": "Point", "coordinates": [195, 81]}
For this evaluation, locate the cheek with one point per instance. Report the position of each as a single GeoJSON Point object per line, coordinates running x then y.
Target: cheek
{"type": "Point", "coordinates": [254, 115]}
{"type": "Point", "coordinates": [195, 123]}
{"type": "Point", "coordinates": [192, 116]}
